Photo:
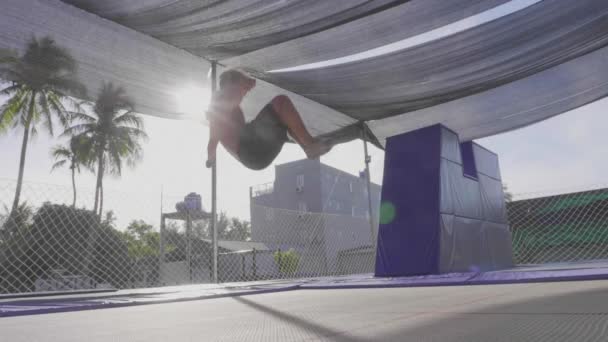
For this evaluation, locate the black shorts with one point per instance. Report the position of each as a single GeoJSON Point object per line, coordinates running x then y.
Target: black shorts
{"type": "Point", "coordinates": [262, 139]}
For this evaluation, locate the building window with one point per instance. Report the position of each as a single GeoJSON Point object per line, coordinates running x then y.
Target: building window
{"type": "Point", "coordinates": [300, 181]}
{"type": "Point", "coordinates": [338, 205]}
{"type": "Point", "coordinates": [350, 186]}
{"type": "Point", "coordinates": [302, 207]}
{"type": "Point", "coordinates": [353, 211]}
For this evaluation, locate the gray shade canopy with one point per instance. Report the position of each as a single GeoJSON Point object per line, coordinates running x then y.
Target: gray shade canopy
{"type": "Point", "coordinates": [225, 28]}
{"type": "Point", "coordinates": [543, 59]}
{"type": "Point", "coordinates": [482, 58]}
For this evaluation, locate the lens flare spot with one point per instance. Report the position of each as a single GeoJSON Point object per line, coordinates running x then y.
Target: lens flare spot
{"type": "Point", "coordinates": [387, 212]}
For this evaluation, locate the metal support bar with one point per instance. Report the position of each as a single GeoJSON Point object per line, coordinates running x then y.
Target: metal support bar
{"type": "Point", "coordinates": [162, 240]}
{"type": "Point", "coordinates": [161, 243]}
{"type": "Point", "coordinates": [214, 186]}
{"type": "Point", "coordinates": [255, 265]}
{"type": "Point", "coordinates": [368, 159]}
{"type": "Point", "coordinates": [189, 245]}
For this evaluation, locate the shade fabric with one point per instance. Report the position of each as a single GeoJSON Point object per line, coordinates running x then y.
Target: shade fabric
{"type": "Point", "coordinates": [404, 21]}
{"type": "Point", "coordinates": [510, 48]}
{"type": "Point", "coordinates": [152, 72]}
{"type": "Point", "coordinates": [217, 29]}
{"type": "Point", "coordinates": [513, 105]}
{"type": "Point", "coordinates": [527, 66]}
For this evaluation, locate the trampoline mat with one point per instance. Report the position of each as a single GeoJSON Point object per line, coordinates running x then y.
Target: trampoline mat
{"type": "Point", "coordinates": [10, 306]}
{"type": "Point", "coordinates": [561, 311]}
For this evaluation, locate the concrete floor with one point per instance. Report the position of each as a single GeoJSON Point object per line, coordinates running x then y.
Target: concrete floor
{"type": "Point", "coordinates": [564, 311]}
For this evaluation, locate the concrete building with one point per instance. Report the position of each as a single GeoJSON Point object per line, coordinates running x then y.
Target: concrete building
{"type": "Point", "coordinates": [320, 211]}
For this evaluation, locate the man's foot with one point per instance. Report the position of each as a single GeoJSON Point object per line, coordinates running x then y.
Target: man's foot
{"type": "Point", "coordinates": [316, 149]}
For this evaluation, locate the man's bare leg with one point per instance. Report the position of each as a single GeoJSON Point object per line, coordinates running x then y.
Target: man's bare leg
{"type": "Point", "coordinates": [290, 116]}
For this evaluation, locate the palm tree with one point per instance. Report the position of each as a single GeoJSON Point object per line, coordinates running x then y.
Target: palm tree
{"type": "Point", "coordinates": [41, 79]}
{"type": "Point", "coordinates": [71, 155]}
{"type": "Point", "coordinates": [112, 135]}
{"type": "Point", "coordinates": [14, 221]}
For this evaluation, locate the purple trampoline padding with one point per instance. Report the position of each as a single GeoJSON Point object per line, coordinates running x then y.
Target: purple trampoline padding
{"type": "Point", "coordinates": [55, 305]}
{"type": "Point", "coordinates": [459, 279]}
{"type": "Point", "coordinates": [591, 270]}
{"type": "Point", "coordinates": [408, 240]}
{"type": "Point", "coordinates": [53, 293]}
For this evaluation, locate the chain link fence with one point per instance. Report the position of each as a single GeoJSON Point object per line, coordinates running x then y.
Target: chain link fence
{"type": "Point", "coordinates": [554, 227]}
{"type": "Point", "coordinates": [49, 244]}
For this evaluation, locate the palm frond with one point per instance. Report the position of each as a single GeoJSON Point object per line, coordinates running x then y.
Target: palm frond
{"type": "Point", "coordinates": [84, 117]}
{"type": "Point", "coordinates": [16, 123]}
{"type": "Point", "coordinates": [85, 148]}
{"type": "Point", "coordinates": [61, 151]}
{"type": "Point", "coordinates": [59, 110]}
{"type": "Point", "coordinates": [10, 90]}
{"type": "Point", "coordinates": [112, 130]}
{"type": "Point", "coordinates": [135, 133]}
{"type": "Point", "coordinates": [112, 99]}
{"type": "Point", "coordinates": [59, 164]}
{"type": "Point", "coordinates": [131, 119]}
{"type": "Point", "coordinates": [76, 105]}
{"type": "Point", "coordinates": [84, 128]}
{"type": "Point", "coordinates": [32, 114]}
{"type": "Point", "coordinates": [9, 112]}
{"type": "Point", "coordinates": [33, 131]}
{"type": "Point", "coordinates": [49, 71]}
{"type": "Point", "coordinates": [115, 161]}
{"type": "Point", "coordinates": [45, 109]}
{"type": "Point", "coordinates": [82, 148]}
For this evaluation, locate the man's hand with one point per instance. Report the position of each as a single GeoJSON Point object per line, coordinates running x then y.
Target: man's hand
{"type": "Point", "coordinates": [210, 163]}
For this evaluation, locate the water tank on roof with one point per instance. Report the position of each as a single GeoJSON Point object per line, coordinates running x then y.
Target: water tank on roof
{"type": "Point", "coordinates": [192, 202]}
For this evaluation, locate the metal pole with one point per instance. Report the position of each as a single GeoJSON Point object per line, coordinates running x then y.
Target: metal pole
{"type": "Point", "coordinates": [189, 244]}
{"type": "Point", "coordinates": [368, 159]}
{"type": "Point", "coordinates": [214, 185]}
{"type": "Point", "coordinates": [162, 232]}
{"type": "Point", "coordinates": [243, 267]}
{"type": "Point", "coordinates": [255, 265]}
{"type": "Point", "coordinates": [279, 262]}
{"type": "Point", "coordinates": [162, 239]}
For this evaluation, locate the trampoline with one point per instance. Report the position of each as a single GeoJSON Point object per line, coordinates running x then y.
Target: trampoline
{"type": "Point", "coordinates": [530, 303]}
{"type": "Point", "coordinates": [408, 80]}
{"type": "Point", "coordinates": [555, 311]}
